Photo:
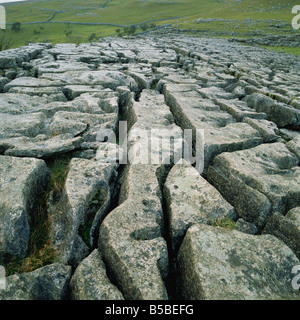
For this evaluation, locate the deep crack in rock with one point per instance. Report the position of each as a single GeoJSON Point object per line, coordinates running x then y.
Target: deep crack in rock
{"type": "Point", "coordinates": [167, 137]}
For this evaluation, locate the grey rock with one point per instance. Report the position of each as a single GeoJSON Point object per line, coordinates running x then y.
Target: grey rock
{"type": "Point", "coordinates": [294, 215]}
{"type": "Point", "coordinates": [90, 281]}
{"type": "Point", "coordinates": [294, 146]}
{"type": "Point", "coordinates": [131, 236]}
{"type": "Point", "coordinates": [21, 182]}
{"type": "Point", "coordinates": [288, 134]}
{"type": "Point", "coordinates": [15, 57]}
{"type": "Point", "coordinates": [190, 199]}
{"type": "Point", "coordinates": [295, 104]}
{"type": "Point", "coordinates": [31, 82]}
{"type": "Point", "coordinates": [29, 125]}
{"type": "Point", "coordinates": [238, 109]}
{"type": "Point", "coordinates": [142, 76]}
{"type": "Point", "coordinates": [234, 136]}
{"type": "Point", "coordinates": [19, 103]}
{"type": "Point", "coordinates": [246, 227]}
{"type": "Point", "coordinates": [279, 113]}
{"type": "Point", "coordinates": [77, 122]}
{"type": "Point", "coordinates": [267, 129]}
{"type": "Point", "coordinates": [3, 82]}
{"type": "Point", "coordinates": [222, 264]}
{"type": "Point", "coordinates": [215, 92]}
{"type": "Point", "coordinates": [54, 93]}
{"type": "Point", "coordinates": [46, 283]}
{"type": "Point", "coordinates": [69, 99]}
{"type": "Point", "coordinates": [41, 146]}
{"type": "Point", "coordinates": [286, 228]}
{"type": "Point", "coordinates": [107, 79]}
{"type": "Point", "coordinates": [59, 66]}
{"type": "Point", "coordinates": [88, 181]}
{"type": "Point", "coordinates": [221, 133]}
{"type": "Point", "coordinates": [258, 181]}
{"type": "Point", "coordinates": [74, 91]}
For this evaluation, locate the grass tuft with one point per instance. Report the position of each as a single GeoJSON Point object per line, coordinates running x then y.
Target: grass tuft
{"type": "Point", "coordinates": [41, 250]}
{"type": "Point", "coordinates": [224, 223]}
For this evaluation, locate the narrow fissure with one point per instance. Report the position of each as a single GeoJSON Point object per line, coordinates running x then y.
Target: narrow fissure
{"type": "Point", "coordinates": [114, 198]}
{"type": "Point", "coordinates": [41, 251]}
{"type": "Point", "coordinates": [171, 281]}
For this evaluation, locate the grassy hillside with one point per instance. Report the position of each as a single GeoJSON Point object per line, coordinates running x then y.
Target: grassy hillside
{"type": "Point", "coordinates": [71, 21]}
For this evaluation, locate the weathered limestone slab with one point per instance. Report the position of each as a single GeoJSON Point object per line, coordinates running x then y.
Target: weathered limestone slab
{"type": "Point", "coordinates": [41, 146]}
{"type": "Point", "coordinates": [21, 182]}
{"type": "Point", "coordinates": [279, 113]}
{"type": "Point", "coordinates": [215, 92]}
{"type": "Point", "coordinates": [90, 281]}
{"type": "Point", "coordinates": [14, 57]}
{"type": "Point", "coordinates": [19, 103]}
{"type": "Point", "coordinates": [222, 264]}
{"type": "Point", "coordinates": [258, 181]}
{"type": "Point", "coordinates": [130, 237]}
{"type": "Point", "coordinates": [77, 122]}
{"type": "Point", "coordinates": [29, 125]}
{"type": "Point", "coordinates": [221, 133]}
{"type": "Point", "coordinates": [85, 198]}
{"type": "Point", "coordinates": [32, 82]}
{"type": "Point", "coordinates": [46, 283]}
{"type": "Point", "coordinates": [74, 91]}
{"type": "Point", "coordinates": [152, 130]}
{"type": "Point", "coordinates": [234, 136]}
{"type": "Point", "coordinates": [192, 111]}
{"type": "Point", "coordinates": [105, 101]}
{"type": "Point", "coordinates": [286, 228]}
{"type": "Point", "coordinates": [190, 199]}
{"type": "Point", "coordinates": [107, 79]}
{"type": "Point", "coordinates": [294, 146]}
{"type": "Point", "coordinates": [143, 75]}
{"type": "Point", "coordinates": [238, 109]}
{"type": "Point", "coordinates": [267, 129]}
{"type": "Point", "coordinates": [54, 93]}
{"type": "Point", "coordinates": [61, 66]}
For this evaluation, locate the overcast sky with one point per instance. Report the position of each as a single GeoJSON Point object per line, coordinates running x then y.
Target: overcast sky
{"type": "Point", "coordinates": [3, 1]}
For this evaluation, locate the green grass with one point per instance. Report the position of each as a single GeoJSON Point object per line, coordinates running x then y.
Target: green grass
{"type": "Point", "coordinates": [59, 170]}
{"type": "Point", "coordinates": [290, 50]}
{"type": "Point", "coordinates": [128, 12]}
{"type": "Point", "coordinates": [224, 223]}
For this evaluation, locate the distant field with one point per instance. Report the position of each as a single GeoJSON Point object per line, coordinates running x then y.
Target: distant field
{"type": "Point", "coordinates": [47, 21]}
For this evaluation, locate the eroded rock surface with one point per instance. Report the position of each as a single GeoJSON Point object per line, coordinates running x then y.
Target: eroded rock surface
{"type": "Point", "coordinates": [254, 268]}
{"type": "Point", "coordinates": [165, 137]}
{"type": "Point", "coordinates": [21, 182]}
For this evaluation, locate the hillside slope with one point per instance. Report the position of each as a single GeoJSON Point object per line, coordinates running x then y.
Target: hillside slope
{"type": "Point", "coordinates": [76, 21]}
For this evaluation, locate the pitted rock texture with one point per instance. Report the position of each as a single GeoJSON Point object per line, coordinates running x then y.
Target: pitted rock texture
{"type": "Point", "coordinates": [234, 272]}
{"type": "Point", "coordinates": [165, 137]}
